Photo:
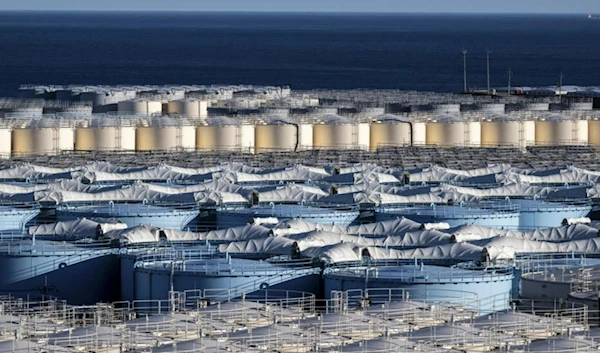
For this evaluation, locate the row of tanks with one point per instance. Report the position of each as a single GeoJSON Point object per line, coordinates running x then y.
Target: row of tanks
{"type": "Point", "coordinates": [264, 133]}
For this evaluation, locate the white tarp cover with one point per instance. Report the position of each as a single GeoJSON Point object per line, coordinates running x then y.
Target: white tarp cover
{"type": "Point", "coordinates": [441, 174]}
{"type": "Point", "coordinates": [419, 238]}
{"type": "Point", "coordinates": [396, 226]}
{"type": "Point", "coordinates": [335, 253]}
{"type": "Point", "coordinates": [555, 235]}
{"type": "Point", "coordinates": [454, 252]}
{"type": "Point", "coordinates": [318, 238]}
{"type": "Point", "coordinates": [133, 235]}
{"type": "Point", "coordinates": [268, 246]}
{"type": "Point", "coordinates": [291, 193]}
{"type": "Point", "coordinates": [249, 231]}
{"type": "Point", "coordinates": [81, 228]}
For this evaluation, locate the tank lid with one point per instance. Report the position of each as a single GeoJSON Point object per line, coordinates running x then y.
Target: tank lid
{"type": "Point", "coordinates": [391, 118]}
{"type": "Point", "coordinates": [222, 121]}
{"type": "Point", "coordinates": [448, 119]}
{"type": "Point", "coordinates": [334, 119]}
{"type": "Point", "coordinates": [555, 117]}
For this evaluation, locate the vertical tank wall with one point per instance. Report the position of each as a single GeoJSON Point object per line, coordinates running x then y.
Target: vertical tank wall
{"type": "Point", "coordinates": [389, 133]}
{"type": "Point", "coordinates": [275, 137]}
{"type": "Point", "coordinates": [594, 132]}
{"type": "Point", "coordinates": [218, 137]}
{"type": "Point", "coordinates": [447, 131]}
{"type": "Point", "coordinates": [38, 138]}
{"type": "Point", "coordinates": [363, 135]}
{"type": "Point", "coordinates": [500, 131]}
{"type": "Point", "coordinates": [419, 133]}
{"type": "Point", "coordinates": [306, 136]}
{"type": "Point", "coordinates": [5, 143]}
{"type": "Point", "coordinates": [474, 134]}
{"type": "Point", "coordinates": [555, 130]}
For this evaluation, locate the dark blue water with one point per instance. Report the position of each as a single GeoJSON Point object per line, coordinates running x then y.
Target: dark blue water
{"type": "Point", "coordinates": [418, 52]}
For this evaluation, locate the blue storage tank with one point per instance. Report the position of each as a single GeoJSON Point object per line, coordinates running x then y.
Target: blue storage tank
{"type": "Point", "coordinates": [36, 267]}
{"type": "Point", "coordinates": [505, 216]}
{"type": "Point", "coordinates": [131, 214]}
{"type": "Point", "coordinates": [225, 277]}
{"type": "Point", "coordinates": [492, 287]}
{"type": "Point", "coordinates": [545, 214]}
{"type": "Point", "coordinates": [15, 217]}
{"type": "Point", "coordinates": [322, 215]}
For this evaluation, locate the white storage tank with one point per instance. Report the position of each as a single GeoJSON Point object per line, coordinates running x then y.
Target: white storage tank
{"type": "Point", "coordinates": [105, 134]}
{"type": "Point", "coordinates": [334, 132]}
{"type": "Point", "coordinates": [501, 130]}
{"type": "Point", "coordinates": [473, 136]}
{"type": "Point", "coordinates": [277, 134]}
{"type": "Point", "coordinates": [105, 100]}
{"type": "Point", "coordinates": [283, 112]}
{"type": "Point", "coordinates": [42, 137]}
{"type": "Point", "coordinates": [580, 106]}
{"type": "Point", "coordinates": [306, 136]}
{"type": "Point", "coordinates": [219, 134]}
{"type": "Point", "coordinates": [390, 129]}
{"type": "Point", "coordinates": [419, 133]}
{"type": "Point", "coordinates": [555, 130]}
{"type": "Point", "coordinates": [164, 134]}
{"type": "Point", "coordinates": [140, 106]}
{"type": "Point", "coordinates": [5, 140]}
{"type": "Point", "coordinates": [189, 107]}
{"type": "Point", "coordinates": [446, 131]}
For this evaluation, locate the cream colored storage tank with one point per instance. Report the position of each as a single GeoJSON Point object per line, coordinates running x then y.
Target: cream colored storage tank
{"type": "Point", "coordinates": [140, 106]}
{"type": "Point", "coordinates": [554, 130]}
{"type": "Point", "coordinates": [306, 136]}
{"type": "Point", "coordinates": [594, 132]}
{"type": "Point", "coordinates": [446, 131]}
{"type": "Point", "coordinates": [334, 132]}
{"type": "Point", "coordinates": [186, 107]}
{"type": "Point", "coordinates": [219, 134]}
{"type": "Point", "coordinates": [105, 134]}
{"type": "Point", "coordinates": [159, 134]}
{"type": "Point", "coordinates": [501, 130]}
{"type": "Point", "coordinates": [581, 131]}
{"type": "Point", "coordinates": [42, 137]}
{"type": "Point", "coordinates": [276, 135]}
{"type": "Point", "coordinates": [390, 130]}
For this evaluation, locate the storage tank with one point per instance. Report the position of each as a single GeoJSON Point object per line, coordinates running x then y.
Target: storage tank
{"type": "Point", "coordinates": [5, 140]}
{"type": "Point", "coordinates": [105, 134]}
{"type": "Point", "coordinates": [306, 136]}
{"type": "Point", "coordinates": [501, 130]}
{"type": "Point", "coordinates": [390, 130]}
{"type": "Point", "coordinates": [276, 134]}
{"type": "Point", "coordinates": [131, 214]}
{"type": "Point", "coordinates": [554, 130]}
{"type": "Point", "coordinates": [473, 137]}
{"type": "Point", "coordinates": [164, 134]}
{"type": "Point", "coordinates": [219, 134]}
{"type": "Point", "coordinates": [426, 282]}
{"type": "Point", "coordinates": [322, 215]}
{"type": "Point", "coordinates": [419, 133]}
{"type": "Point", "coordinates": [504, 216]}
{"type": "Point", "coordinates": [594, 132]}
{"type": "Point", "coordinates": [536, 214]}
{"type": "Point", "coordinates": [446, 131]}
{"type": "Point", "coordinates": [42, 136]}
{"type": "Point", "coordinates": [140, 106]}
{"type": "Point", "coordinates": [105, 100]}
{"type": "Point", "coordinates": [318, 111]}
{"type": "Point", "coordinates": [153, 279]}
{"type": "Point", "coordinates": [334, 132]}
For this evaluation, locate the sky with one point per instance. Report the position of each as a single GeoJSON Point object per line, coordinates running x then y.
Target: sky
{"type": "Point", "coordinates": [470, 6]}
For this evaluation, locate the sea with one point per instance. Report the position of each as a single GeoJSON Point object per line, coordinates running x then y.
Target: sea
{"type": "Point", "coordinates": [304, 50]}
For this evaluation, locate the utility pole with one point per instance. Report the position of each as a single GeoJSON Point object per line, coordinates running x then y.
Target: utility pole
{"type": "Point", "coordinates": [464, 53]}
{"type": "Point", "coordinates": [488, 52]}
{"type": "Point", "coordinates": [509, 72]}
{"type": "Point", "coordinates": [560, 83]}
